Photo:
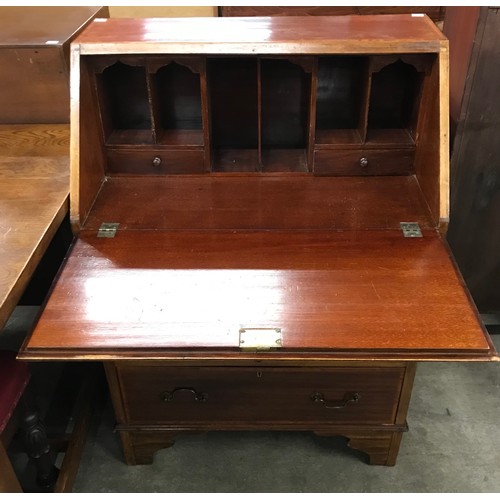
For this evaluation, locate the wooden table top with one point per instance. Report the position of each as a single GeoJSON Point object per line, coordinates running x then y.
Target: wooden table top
{"type": "Point", "coordinates": [34, 191]}
{"type": "Point", "coordinates": [22, 26]}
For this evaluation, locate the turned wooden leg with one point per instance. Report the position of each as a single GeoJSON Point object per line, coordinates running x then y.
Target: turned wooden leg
{"type": "Point", "coordinates": [38, 448]}
{"type": "Point", "coordinates": [381, 448]}
{"type": "Point", "coordinates": [139, 447]}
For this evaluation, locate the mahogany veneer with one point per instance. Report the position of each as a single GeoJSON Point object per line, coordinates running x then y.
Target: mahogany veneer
{"type": "Point", "coordinates": [259, 170]}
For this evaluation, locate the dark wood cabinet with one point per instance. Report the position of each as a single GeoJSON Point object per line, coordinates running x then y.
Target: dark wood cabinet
{"type": "Point", "coordinates": [474, 230]}
{"type": "Point", "coordinates": [260, 273]}
{"type": "Point", "coordinates": [434, 12]}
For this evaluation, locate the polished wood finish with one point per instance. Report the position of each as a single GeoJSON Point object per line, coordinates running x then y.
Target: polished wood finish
{"type": "Point", "coordinates": [273, 129]}
{"type": "Point", "coordinates": [432, 157]}
{"type": "Point", "coordinates": [270, 35]}
{"type": "Point", "coordinates": [284, 202]}
{"type": "Point", "coordinates": [435, 13]}
{"type": "Point", "coordinates": [34, 188]}
{"type": "Point", "coordinates": [86, 146]}
{"type": "Point", "coordinates": [113, 290]}
{"type": "Point", "coordinates": [233, 394]}
{"type": "Point", "coordinates": [229, 409]}
{"type": "Point", "coordinates": [34, 61]}
{"type": "Point", "coordinates": [363, 162]}
{"type": "Point", "coordinates": [242, 227]}
{"type": "Point", "coordinates": [155, 161]}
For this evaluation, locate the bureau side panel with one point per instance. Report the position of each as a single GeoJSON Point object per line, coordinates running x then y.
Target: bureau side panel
{"type": "Point", "coordinates": [86, 146]}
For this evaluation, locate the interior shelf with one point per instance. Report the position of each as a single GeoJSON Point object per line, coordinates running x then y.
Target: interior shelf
{"type": "Point", "coordinates": [394, 96]}
{"type": "Point", "coordinates": [284, 160]}
{"type": "Point", "coordinates": [189, 138]}
{"type": "Point", "coordinates": [234, 103]}
{"type": "Point", "coordinates": [125, 104]}
{"type": "Point", "coordinates": [396, 137]}
{"type": "Point", "coordinates": [338, 137]}
{"type": "Point", "coordinates": [265, 114]}
{"type": "Point", "coordinates": [176, 97]}
{"type": "Point", "coordinates": [130, 137]}
{"type": "Point", "coordinates": [236, 160]}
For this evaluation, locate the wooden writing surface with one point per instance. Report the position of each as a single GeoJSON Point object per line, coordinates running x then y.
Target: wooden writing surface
{"type": "Point", "coordinates": [347, 293]}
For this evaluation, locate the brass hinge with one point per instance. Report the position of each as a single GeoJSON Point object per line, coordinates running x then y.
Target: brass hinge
{"type": "Point", "coordinates": [411, 229]}
{"type": "Point", "coordinates": [260, 339]}
{"type": "Point", "coordinates": [108, 230]}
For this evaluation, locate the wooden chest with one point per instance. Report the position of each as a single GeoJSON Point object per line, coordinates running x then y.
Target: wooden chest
{"type": "Point", "coordinates": [34, 61]}
{"type": "Point", "coordinates": [257, 203]}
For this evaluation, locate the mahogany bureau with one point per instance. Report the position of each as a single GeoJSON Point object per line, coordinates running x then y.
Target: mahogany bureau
{"type": "Point", "coordinates": [257, 204]}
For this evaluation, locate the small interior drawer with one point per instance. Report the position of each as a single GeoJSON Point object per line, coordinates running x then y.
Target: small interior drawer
{"type": "Point", "coordinates": [157, 394]}
{"type": "Point", "coordinates": [364, 162]}
{"type": "Point", "coordinates": [154, 161]}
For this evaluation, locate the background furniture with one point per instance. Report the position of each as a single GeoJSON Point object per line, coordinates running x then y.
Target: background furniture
{"type": "Point", "coordinates": [34, 189]}
{"type": "Point", "coordinates": [34, 61]}
{"type": "Point", "coordinates": [15, 376]}
{"type": "Point", "coordinates": [474, 230]}
{"type": "Point", "coordinates": [434, 12]}
{"type": "Point", "coordinates": [34, 168]}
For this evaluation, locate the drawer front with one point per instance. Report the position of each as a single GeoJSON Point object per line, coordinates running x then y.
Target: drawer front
{"type": "Point", "coordinates": [364, 162]}
{"type": "Point", "coordinates": [155, 162]}
{"type": "Point", "coordinates": [156, 394]}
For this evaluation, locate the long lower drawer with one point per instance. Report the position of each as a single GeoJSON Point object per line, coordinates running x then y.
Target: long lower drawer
{"type": "Point", "coordinates": [159, 394]}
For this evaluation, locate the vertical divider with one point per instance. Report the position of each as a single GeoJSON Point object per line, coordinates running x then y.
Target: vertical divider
{"type": "Point", "coordinates": [152, 102]}
{"type": "Point", "coordinates": [205, 115]}
{"type": "Point", "coordinates": [312, 115]}
{"type": "Point", "coordinates": [365, 105]}
{"type": "Point", "coordinates": [259, 113]}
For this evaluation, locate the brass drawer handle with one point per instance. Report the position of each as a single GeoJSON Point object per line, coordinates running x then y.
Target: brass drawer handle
{"type": "Point", "coordinates": [168, 396]}
{"type": "Point", "coordinates": [349, 397]}
{"type": "Point", "coordinates": [156, 161]}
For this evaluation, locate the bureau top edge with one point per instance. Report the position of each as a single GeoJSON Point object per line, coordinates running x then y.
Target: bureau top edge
{"type": "Point", "coordinates": [262, 35]}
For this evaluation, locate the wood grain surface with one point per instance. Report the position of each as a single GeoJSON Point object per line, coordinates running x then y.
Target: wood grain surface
{"type": "Point", "coordinates": [34, 187]}
{"type": "Point", "coordinates": [280, 201]}
{"type": "Point", "coordinates": [34, 61]}
{"type": "Point", "coordinates": [29, 27]}
{"type": "Point", "coordinates": [263, 35]}
{"type": "Point", "coordinates": [343, 293]}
